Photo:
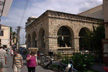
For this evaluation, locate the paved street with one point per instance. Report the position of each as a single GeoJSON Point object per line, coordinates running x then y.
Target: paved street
{"type": "Point", "coordinates": [8, 67]}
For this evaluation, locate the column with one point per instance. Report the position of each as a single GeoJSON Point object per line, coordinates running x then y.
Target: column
{"type": "Point", "coordinates": [53, 43]}
{"type": "Point", "coordinates": [76, 43]}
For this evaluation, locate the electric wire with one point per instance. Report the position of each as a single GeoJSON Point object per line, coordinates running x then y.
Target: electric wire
{"type": "Point", "coordinates": [23, 14]}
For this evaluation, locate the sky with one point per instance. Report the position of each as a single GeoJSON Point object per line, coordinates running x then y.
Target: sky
{"type": "Point", "coordinates": [22, 9]}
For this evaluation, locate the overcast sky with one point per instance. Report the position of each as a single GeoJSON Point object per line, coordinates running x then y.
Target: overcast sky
{"type": "Point", "coordinates": [22, 9]}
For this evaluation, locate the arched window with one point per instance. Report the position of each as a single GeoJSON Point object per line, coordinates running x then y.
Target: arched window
{"type": "Point", "coordinates": [34, 42]}
{"type": "Point", "coordinates": [29, 41]}
{"type": "Point", "coordinates": [42, 38]}
{"type": "Point", "coordinates": [83, 32]}
{"type": "Point", "coordinates": [64, 37]}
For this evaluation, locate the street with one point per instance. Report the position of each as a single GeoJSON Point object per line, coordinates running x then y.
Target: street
{"type": "Point", "coordinates": [8, 67]}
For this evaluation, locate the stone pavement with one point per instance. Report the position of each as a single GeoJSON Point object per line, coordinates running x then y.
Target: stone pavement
{"type": "Point", "coordinates": [8, 67]}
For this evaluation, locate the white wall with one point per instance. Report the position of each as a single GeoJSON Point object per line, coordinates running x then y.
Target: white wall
{"type": "Point", "coordinates": [5, 39]}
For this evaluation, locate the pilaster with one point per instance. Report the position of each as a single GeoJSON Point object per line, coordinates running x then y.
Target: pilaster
{"type": "Point", "coordinates": [76, 43]}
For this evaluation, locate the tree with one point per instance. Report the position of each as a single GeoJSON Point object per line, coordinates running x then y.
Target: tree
{"type": "Point", "coordinates": [93, 39]}
{"type": "Point", "coordinates": [99, 34]}
{"type": "Point", "coordinates": [14, 34]}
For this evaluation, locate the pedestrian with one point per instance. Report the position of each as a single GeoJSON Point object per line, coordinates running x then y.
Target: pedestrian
{"type": "Point", "coordinates": [3, 58]}
{"type": "Point", "coordinates": [7, 53]}
{"type": "Point", "coordinates": [31, 61]}
{"type": "Point", "coordinates": [11, 52]}
{"type": "Point", "coordinates": [17, 62]}
{"type": "Point", "coordinates": [6, 49]}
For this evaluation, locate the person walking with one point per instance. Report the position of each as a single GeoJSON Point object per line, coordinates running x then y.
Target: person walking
{"type": "Point", "coordinates": [31, 61]}
{"type": "Point", "coordinates": [17, 62]}
{"type": "Point", "coordinates": [3, 58]}
{"type": "Point", "coordinates": [11, 52]}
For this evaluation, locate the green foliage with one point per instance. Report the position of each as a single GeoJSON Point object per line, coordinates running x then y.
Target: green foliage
{"type": "Point", "coordinates": [65, 60]}
{"type": "Point", "coordinates": [88, 38]}
{"type": "Point", "coordinates": [14, 33]}
{"type": "Point", "coordinates": [10, 29]}
{"type": "Point", "coordinates": [93, 39]}
{"type": "Point", "coordinates": [83, 62]}
{"type": "Point", "coordinates": [59, 56]}
{"type": "Point", "coordinates": [98, 35]}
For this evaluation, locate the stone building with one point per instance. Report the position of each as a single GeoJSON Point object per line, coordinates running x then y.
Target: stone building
{"type": "Point", "coordinates": [105, 6]}
{"type": "Point", "coordinates": [55, 31]}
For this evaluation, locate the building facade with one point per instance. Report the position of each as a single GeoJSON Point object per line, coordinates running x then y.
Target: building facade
{"type": "Point", "coordinates": [105, 6]}
{"type": "Point", "coordinates": [58, 32]}
{"type": "Point", "coordinates": [5, 36]}
{"type": "Point", "coordinates": [96, 12]}
{"type": "Point", "coordinates": [5, 7]}
{"type": "Point", "coordinates": [105, 41]}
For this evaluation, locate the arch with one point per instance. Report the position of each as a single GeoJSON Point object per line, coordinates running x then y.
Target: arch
{"type": "Point", "coordinates": [34, 41]}
{"type": "Point", "coordinates": [63, 24]}
{"type": "Point", "coordinates": [65, 37]}
{"type": "Point", "coordinates": [42, 38]}
{"type": "Point", "coordinates": [29, 41]}
{"type": "Point", "coordinates": [82, 33]}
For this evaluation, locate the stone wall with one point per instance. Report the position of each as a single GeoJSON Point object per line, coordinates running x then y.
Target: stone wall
{"type": "Point", "coordinates": [52, 21]}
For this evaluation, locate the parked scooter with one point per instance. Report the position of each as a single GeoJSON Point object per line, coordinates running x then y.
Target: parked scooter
{"type": "Point", "coordinates": [62, 67]}
{"type": "Point", "coordinates": [67, 67]}
{"type": "Point", "coordinates": [48, 62]}
{"type": "Point", "coordinates": [70, 67]}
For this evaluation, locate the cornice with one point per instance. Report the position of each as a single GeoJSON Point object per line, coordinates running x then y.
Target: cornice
{"type": "Point", "coordinates": [73, 17]}
{"type": "Point", "coordinates": [64, 16]}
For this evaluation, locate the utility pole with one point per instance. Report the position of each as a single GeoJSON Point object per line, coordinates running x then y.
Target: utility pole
{"type": "Point", "coordinates": [18, 37]}
{"type": "Point", "coordinates": [23, 39]}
